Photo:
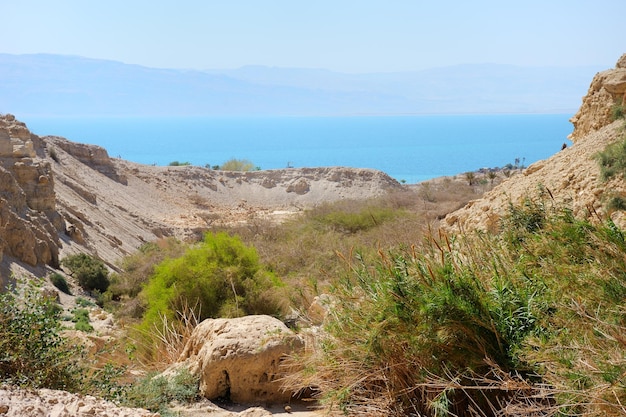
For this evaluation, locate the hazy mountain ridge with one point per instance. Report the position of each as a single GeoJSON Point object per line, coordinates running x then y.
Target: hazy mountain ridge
{"type": "Point", "coordinates": [56, 85]}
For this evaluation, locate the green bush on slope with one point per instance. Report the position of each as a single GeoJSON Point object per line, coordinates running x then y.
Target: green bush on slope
{"type": "Point", "coordinates": [90, 272]}
{"type": "Point", "coordinates": [533, 317]}
{"type": "Point", "coordinates": [218, 277]}
{"type": "Point", "coordinates": [32, 351]}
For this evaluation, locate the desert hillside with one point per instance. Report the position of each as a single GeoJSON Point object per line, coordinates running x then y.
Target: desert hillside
{"type": "Point", "coordinates": [59, 197]}
{"type": "Point", "coordinates": [571, 177]}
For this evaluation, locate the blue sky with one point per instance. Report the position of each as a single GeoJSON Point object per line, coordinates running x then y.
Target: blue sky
{"type": "Point", "coordinates": [341, 35]}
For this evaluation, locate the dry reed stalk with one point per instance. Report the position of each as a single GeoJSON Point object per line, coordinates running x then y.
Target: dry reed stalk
{"type": "Point", "coordinates": [166, 342]}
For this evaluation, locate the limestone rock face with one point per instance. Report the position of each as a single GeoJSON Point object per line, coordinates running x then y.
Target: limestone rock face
{"type": "Point", "coordinates": [15, 139]}
{"type": "Point", "coordinates": [607, 88]}
{"type": "Point", "coordinates": [29, 222]}
{"type": "Point", "coordinates": [239, 359]}
{"type": "Point", "coordinates": [93, 156]}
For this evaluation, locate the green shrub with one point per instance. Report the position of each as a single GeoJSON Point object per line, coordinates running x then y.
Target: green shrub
{"type": "Point", "coordinates": [105, 383]}
{"type": "Point", "coordinates": [83, 326]}
{"type": "Point", "coordinates": [474, 319]}
{"type": "Point", "coordinates": [612, 160]}
{"type": "Point", "coordinates": [179, 164]}
{"type": "Point", "coordinates": [59, 281]}
{"type": "Point", "coordinates": [219, 277]}
{"type": "Point", "coordinates": [617, 203]}
{"type": "Point", "coordinates": [617, 110]}
{"type": "Point", "coordinates": [84, 302]}
{"type": "Point", "coordinates": [80, 316]}
{"type": "Point", "coordinates": [238, 165]}
{"type": "Point", "coordinates": [155, 393]}
{"type": "Point", "coordinates": [32, 351]}
{"type": "Point", "coordinates": [90, 272]}
{"type": "Point", "coordinates": [138, 267]}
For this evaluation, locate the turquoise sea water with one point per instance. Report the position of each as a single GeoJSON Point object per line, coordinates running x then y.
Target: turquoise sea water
{"type": "Point", "coordinates": [410, 148]}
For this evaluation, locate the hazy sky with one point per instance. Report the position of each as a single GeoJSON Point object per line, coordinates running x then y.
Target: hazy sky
{"type": "Point", "coordinates": [341, 35]}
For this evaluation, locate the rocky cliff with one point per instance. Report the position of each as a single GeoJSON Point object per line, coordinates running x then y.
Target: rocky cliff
{"type": "Point", "coordinates": [572, 176]}
{"type": "Point", "coordinates": [29, 221]}
{"type": "Point", "coordinates": [58, 197]}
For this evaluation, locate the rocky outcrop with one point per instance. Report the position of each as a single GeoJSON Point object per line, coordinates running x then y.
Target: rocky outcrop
{"type": "Point", "coordinates": [15, 402]}
{"type": "Point", "coordinates": [570, 178]}
{"type": "Point", "coordinates": [29, 222]}
{"type": "Point", "coordinates": [240, 359]}
{"type": "Point", "coordinates": [607, 89]}
{"type": "Point", "coordinates": [95, 157]}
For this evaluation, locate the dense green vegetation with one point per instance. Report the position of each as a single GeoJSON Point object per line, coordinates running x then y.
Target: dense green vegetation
{"type": "Point", "coordinates": [613, 160]}
{"type": "Point", "coordinates": [35, 354]}
{"type": "Point", "coordinates": [218, 277]}
{"type": "Point", "coordinates": [32, 351]}
{"type": "Point", "coordinates": [90, 272]}
{"type": "Point", "coordinates": [60, 282]}
{"type": "Point", "coordinates": [533, 317]}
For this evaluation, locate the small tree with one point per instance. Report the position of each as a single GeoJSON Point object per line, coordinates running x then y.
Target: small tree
{"type": "Point", "coordinates": [470, 177]}
{"type": "Point", "coordinates": [219, 277]}
{"type": "Point", "coordinates": [90, 272]}
{"type": "Point", "coordinates": [238, 165]}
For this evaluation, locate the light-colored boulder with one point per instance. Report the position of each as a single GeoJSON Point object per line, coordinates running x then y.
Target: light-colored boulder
{"type": "Point", "coordinates": [240, 359]}
{"type": "Point", "coordinates": [17, 402]}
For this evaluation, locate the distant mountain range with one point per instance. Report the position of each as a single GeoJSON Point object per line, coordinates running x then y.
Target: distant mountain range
{"type": "Point", "coordinates": [59, 85]}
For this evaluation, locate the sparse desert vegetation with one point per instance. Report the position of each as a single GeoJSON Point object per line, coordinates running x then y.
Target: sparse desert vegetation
{"type": "Point", "coordinates": [418, 322]}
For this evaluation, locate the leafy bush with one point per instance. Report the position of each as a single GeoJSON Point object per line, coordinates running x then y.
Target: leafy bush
{"type": "Point", "coordinates": [84, 302]}
{"type": "Point", "coordinates": [617, 203]}
{"type": "Point", "coordinates": [612, 160]}
{"type": "Point", "coordinates": [179, 164]}
{"type": "Point", "coordinates": [138, 267]}
{"type": "Point", "coordinates": [155, 393]}
{"type": "Point", "coordinates": [81, 318]}
{"type": "Point", "coordinates": [59, 281]}
{"type": "Point", "coordinates": [90, 272]}
{"type": "Point", "coordinates": [32, 351]}
{"type": "Point", "coordinates": [219, 277]}
{"type": "Point", "coordinates": [237, 165]}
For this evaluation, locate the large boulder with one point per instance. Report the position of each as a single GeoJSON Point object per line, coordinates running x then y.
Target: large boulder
{"type": "Point", "coordinates": [240, 359]}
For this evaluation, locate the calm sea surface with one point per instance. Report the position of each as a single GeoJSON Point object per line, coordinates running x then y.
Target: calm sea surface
{"type": "Point", "coordinates": [410, 148]}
